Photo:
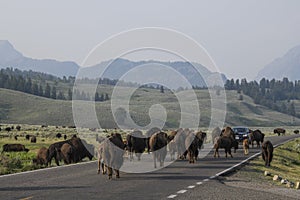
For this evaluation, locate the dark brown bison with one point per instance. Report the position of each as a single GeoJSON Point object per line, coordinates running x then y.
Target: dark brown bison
{"type": "Point", "coordinates": [267, 152]}
{"type": "Point", "coordinates": [256, 136]}
{"type": "Point", "coordinates": [58, 135]}
{"type": "Point", "coordinates": [65, 137]}
{"type": "Point", "coordinates": [16, 137]}
{"type": "Point", "coordinates": [227, 143]}
{"type": "Point", "coordinates": [158, 145]}
{"type": "Point", "coordinates": [67, 153]}
{"type": "Point", "coordinates": [279, 131]}
{"type": "Point", "coordinates": [193, 143]}
{"type": "Point", "coordinates": [27, 137]}
{"type": "Point", "coordinates": [33, 139]}
{"type": "Point", "coordinates": [41, 158]}
{"type": "Point", "coordinates": [14, 147]}
{"type": "Point", "coordinates": [80, 150]}
{"type": "Point", "coordinates": [149, 133]}
{"type": "Point", "coordinates": [110, 155]}
{"type": "Point", "coordinates": [296, 131]}
{"type": "Point", "coordinates": [136, 143]}
{"type": "Point", "coordinates": [8, 129]}
{"type": "Point", "coordinates": [18, 127]}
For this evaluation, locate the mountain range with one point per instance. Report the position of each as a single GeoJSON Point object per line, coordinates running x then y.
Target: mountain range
{"type": "Point", "coordinates": [10, 57]}
{"type": "Point", "coordinates": [286, 66]}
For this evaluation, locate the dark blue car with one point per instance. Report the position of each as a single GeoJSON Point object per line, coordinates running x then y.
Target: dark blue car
{"type": "Point", "coordinates": [241, 133]}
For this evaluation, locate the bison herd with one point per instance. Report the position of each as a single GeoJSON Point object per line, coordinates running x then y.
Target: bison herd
{"type": "Point", "coordinates": [185, 142]}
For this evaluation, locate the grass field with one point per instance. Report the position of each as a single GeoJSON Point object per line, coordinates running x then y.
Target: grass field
{"type": "Point", "coordinates": [286, 163]}
{"type": "Point", "coordinates": [17, 107]}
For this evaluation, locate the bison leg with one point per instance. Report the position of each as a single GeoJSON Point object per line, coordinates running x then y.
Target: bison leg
{"type": "Point", "coordinates": [117, 173]}
{"type": "Point", "coordinates": [229, 151]}
{"type": "Point", "coordinates": [99, 166]}
{"type": "Point", "coordinates": [110, 171]}
{"type": "Point", "coordinates": [154, 159]}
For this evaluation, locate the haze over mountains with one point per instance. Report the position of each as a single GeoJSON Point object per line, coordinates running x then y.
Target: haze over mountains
{"type": "Point", "coordinates": [286, 66]}
{"type": "Point", "coordinates": [10, 57]}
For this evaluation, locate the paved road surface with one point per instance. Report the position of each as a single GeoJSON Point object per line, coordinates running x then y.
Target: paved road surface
{"type": "Point", "coordinates": [82, 182]}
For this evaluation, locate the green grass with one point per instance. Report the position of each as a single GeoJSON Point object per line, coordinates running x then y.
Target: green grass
{"type": "Point", "coordinates": [18, 107]}
{"type": "Point", "coordinates": [286, 163]}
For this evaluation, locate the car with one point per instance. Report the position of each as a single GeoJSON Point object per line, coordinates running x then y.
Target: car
{"type": "Point", "coordinates": [241, 132]}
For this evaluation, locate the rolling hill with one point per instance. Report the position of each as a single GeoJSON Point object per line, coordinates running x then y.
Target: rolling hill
{"type": "Point", "coordinates": [17, 107]}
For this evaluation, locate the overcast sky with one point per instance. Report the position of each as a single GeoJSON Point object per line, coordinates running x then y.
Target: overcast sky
{"type": "Point", "coordinates": [241, 36]}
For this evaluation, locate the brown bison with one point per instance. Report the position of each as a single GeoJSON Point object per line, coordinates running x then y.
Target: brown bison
{"type": "Point", "coordinates": [194, 142]}
{"type": "Point", "coordinates": [267, 152]}
{"type": "Point", "coordinates": [256, 136]}
{"type": "Point", "coordinates": [41, 158]}
{"type": "Point", "coordinates": [110, 155]}
{"type": "Point", "coordinates": [296, 131]}
{"type": "Point", "coordinates": [80, 150]}
{"type": "Point", "coordinates": [158, 145]}
{"type": "Point", "coordinates": [228, 132]}
{"type": "Point", "coordinates": [67, 153]}
{"type": "Point", "coordinates": [246, 146]}
{"type": "Point", "coordinates": [14, 147]}
{"type": "Point", "coordinates": [227, 143]}
{"type": "Point", "coordinates": [279, 131]}
{"type": "Point", "coordinates": [33, 139]}
{"type": "Point", "coordinates": [149, 133]}
{"type": "Point", "coordinates": [136, 144]}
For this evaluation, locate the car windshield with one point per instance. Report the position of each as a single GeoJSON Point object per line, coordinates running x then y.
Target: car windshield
{"type": "Point", "coordinates": [240, 130]}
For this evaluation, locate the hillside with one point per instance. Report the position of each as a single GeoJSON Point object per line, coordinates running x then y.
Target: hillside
{"type": "Point", "coordinates": [286, 66]}
{"type": "Point", "coordinates": [18, 107]}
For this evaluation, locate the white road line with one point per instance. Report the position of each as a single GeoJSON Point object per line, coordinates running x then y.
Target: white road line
{"type": "Point", "coordinates": [172, 196]}
{"type": "Point", "coordinates": [205, 180]}
{"type": "Point", "coordinates": [191, 186]}
{"type": "Point", "coordinates": [212, 177]}
{"type": "Point", "coordinates": [181, 191]}
{"type": "Point", "coordinates": [199, 183]}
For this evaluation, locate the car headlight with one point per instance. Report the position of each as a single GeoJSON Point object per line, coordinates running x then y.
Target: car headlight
{"type": "Point", "coordinates": [245, 135]}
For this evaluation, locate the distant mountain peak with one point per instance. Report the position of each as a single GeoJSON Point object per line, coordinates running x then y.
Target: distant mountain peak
{"type": "Point", "coordinates": [8, 52]}
{"type": "Point", "coordinates": [286, 66]}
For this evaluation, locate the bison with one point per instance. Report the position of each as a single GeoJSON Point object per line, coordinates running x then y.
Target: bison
{"type": "Point", "coordinates": [80, 150]}
{"type": "Point", "coordinates": [149, 133]}
{"type": "Point", "coordinates": [194, 142]}
{"type": "Point", "coordinates": [227, 143]}
{"type": "Point", "coordinates": [135, 144]}
{"type": "Point", "coordinates": [18, 127]}
{"type": "Point", "coordinates": [246, 146]}
{"type": "Point", "coordinates": [27, 137]}
{"type": "Point", "coordinates": [67, 153]}
{"type": "Point", "coordinates": [256, 136]}
{"type": "Point", "coordinates": [296, 131]}
{"type": "Point", "coordinates": [267, 152]}
{"type": "Point", "coordinates": [279, 131]}
{"type": "Point", "coordinates": [41, 158]}
{"type": "Point", "coordinates": [14, 147]}
{"type": "Point", "coordinates": [158, 145]}
{"type": "Point", "coordinates": [110, 155]}
{"type": "Point", "coordinates": [33, 139]}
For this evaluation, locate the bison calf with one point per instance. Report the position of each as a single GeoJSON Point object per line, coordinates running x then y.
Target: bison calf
{"type": "Point", "coordinates": [14, 147]}
{"type": "Point", "coordinates": [246, 146]}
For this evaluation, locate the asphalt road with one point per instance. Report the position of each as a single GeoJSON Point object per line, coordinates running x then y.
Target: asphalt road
{"type": "Point", "coordinates": [179, 180]}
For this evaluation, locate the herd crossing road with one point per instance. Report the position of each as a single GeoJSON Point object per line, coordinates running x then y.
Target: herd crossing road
{"type": "Point", "coordinates": [179, 180]}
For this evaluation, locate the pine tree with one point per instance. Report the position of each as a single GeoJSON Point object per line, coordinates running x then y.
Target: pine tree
{"type": "Point", "coordinates": [162, 90]}
{"type": "Point", "coordinates": [53, 92]}
{"type": "Point", "coordinates": [47, 91]}
{"type": "Point", "coordinates": [41, 91]}
{"type": "Point", "coordinates": [70, 94]}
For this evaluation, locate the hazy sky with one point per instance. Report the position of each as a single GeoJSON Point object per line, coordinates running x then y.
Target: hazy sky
{"type": "Point", "coordinates": [241, 36]}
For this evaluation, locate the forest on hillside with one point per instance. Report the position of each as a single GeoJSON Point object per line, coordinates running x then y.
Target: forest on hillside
{"type": "Point", "coordinates": [275, 94]}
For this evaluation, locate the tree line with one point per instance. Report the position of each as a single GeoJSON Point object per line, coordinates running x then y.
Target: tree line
{"type": "Point", "coordinates": [274, 94]}
{"type": "Point", "coordinates": [37, 83]}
